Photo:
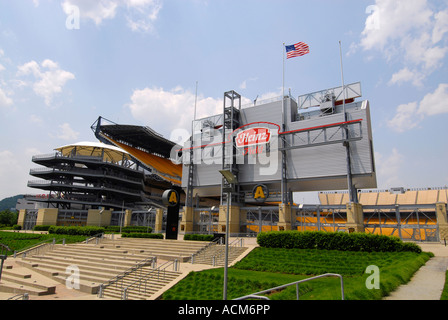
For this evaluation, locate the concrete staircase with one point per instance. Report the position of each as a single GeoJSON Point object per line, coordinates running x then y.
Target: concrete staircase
{"type": "Point", "coordinates": [157, 281]}
{"type": "Point", "coordinates": [162, 249]}
{"type": "Point", "coordinates": [215, 255]}
{"type": "Point", "coordinates": [18, 280]}
{"type": "Point", "coordinates": [98, 263]}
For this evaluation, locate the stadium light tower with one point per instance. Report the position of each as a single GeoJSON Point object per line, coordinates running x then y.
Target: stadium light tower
{"type": "Point", "coordinates": [231, 179]}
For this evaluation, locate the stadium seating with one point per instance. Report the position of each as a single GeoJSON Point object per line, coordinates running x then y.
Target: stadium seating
{"type": "Point", "coordinates": [387, 197]}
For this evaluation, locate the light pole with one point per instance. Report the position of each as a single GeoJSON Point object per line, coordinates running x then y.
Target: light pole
{"type": "Point", "coordinates": [231, 179]}
{"type": "Point", "coordinates": [147, 221]}
{"type": "Point", "coordinates": [101, 215]}
{"type": "Point", "coordinates": [121, 217]}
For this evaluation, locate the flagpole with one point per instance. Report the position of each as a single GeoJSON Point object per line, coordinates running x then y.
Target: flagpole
{"type": "Point", "coordinates": [283, 87]}
{"type": "Point", "coordinates": [352, 193]}
{"type": "Point", "coordinates": [195, 100]}
{"type": "Point", "coordinates": [283, 182]}
{"type": "Point", "coordinates": [298, 49]}
{"type": "Point", "coordinates": [342, 78]}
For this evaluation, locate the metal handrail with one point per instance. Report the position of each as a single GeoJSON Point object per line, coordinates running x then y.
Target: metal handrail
{"type": "Point", "coordinates": [4, 247]}
{"type": "Point", "coordinates": [138, 266]}
{"type": "Point", "coordinates": [234, 243]}
{"type": "Point", "coordinates": [84, 171]}
{"type": "Point", "coordinates": [38, 246]}
{"type": "Point", "coordinates": [211, 243]}
{"type": "Point", "coordinates": [138, 283]}
{"type": "Point", "coordinates": [296, 283]}
{"type": "Point", "coordinates": [98, 237]}
{"type": "Point", "coordinates": [20, 296]}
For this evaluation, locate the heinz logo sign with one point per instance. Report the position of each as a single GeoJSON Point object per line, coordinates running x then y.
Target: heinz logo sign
{"type": "Point", "coordinates": [252, 136]}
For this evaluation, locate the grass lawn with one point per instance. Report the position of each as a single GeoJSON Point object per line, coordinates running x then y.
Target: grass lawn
{"type": "Point", "coordinates": [265, 268]}
{"type": "Point", "coordinates": [445, 289]}
{"type": "Point", "coordinates": [18, 241]}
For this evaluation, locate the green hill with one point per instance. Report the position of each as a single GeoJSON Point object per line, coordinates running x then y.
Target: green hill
{"type": "Point", "coordinates": [10, 202]}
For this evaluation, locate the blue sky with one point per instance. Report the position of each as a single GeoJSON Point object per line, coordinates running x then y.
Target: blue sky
{"type": "Point", "coordinates": [137, 62]}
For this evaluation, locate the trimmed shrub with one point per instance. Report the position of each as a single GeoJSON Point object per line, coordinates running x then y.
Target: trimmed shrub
{"type": "Point", "coordinates": [142, 235]}
{"type": "Point", "coordinates": [82, 231]}
{"type": "Point", "coordinates": [334, 241]}
{"type": "Point", "coordinates": [41, 228]}
{"type": "Point", "coordinates": [199, 237]}
{"type": "Point", "coordinates": [129, 229]}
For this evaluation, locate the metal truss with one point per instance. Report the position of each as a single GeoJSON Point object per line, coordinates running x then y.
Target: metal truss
{"type": "Point", "coordinates": [208, 220]}
{"type": "Point", "coordinates": [260, 219]}
{"type": "Point", "coordinates": [313, 99]}
{"type": "Point", "coordinates": [347, 131]}
{"type": "Point", "coordinates": [408, 222]}
{"type": "Point", "coordinates": [140, 218]}
{"type": "Point", "coordinates": [319, 219]}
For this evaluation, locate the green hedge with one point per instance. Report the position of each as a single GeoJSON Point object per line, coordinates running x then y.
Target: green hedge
{"type": "Point", "coordinates": [82, 231]}
{"type": "Point", "coordinates": [199, 237]}
{"type": "Point", "coordinates": [334, 241]}
{"type": "Point", "coordinates": [42, 228]}
{"type": "Point", "coordinates": [142, 235]}
{"type": "Point", "coordinates": [135, 229]}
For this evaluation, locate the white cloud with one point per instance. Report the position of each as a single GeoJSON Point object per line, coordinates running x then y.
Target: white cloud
{"type": "Point", "coordinates": [406, 75]}
{"type": "Point", "coordinates": [405, 117]}
{"type": "Point", "coordinates": [420, 51]}
{"type": "Point", "coordinates": [436, 102]}
{"type": "Point", "coordinates": [441, 26]}
{"type": "Point", "coordinates": [35, 119]}
{"type": "Point", "coordinates": [409, 115]}
{"type": "Point", "coordinates": [66, 132]}
{"type": "Point", "coordinates": [28, 68]}
{"type": "Point", "coordinates": [388, 168]}
{"type": "Point", "coordinates": [94, 10]}
{"type": "Point", "coordinates": [397, 19]}
{"type": "Point", "coordinates": [5, 101]}
{"type": "Point", "coordinates": [12, 174]}
{"type": "Point", "coordinates": [174, 109]}
{"type": "Point", "coordinates": [140, 14]}
{"type": "Point", "coordinates": [407, 30]}
{"type": "Point", "coordinates": [165, 111]}
{"type": "Point", "coordinates": [243, 84]}
{"type": "Point", "coordinates": [49, 78]}
{"type": "Point", "coordinates": [14, 171]}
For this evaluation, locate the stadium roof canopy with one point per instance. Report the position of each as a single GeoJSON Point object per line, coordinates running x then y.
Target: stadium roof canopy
{"type": "Point", "coordinates": [139, 137]}
{"type": "Point", "coordinates": [109, 153]}
{"type": "Point", "coordinates": [144, 144]}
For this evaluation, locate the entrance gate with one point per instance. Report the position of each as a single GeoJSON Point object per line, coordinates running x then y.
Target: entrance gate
{"type": "Point", "coordinates": [30, 219]}
{"type": "Point", "coordinates": [319, 218]}
{"type": "Point", "coordinates": [260, 219]}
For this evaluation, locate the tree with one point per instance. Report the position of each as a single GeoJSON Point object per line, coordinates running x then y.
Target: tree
{"type": "Point", "coordinates": [8, 218]}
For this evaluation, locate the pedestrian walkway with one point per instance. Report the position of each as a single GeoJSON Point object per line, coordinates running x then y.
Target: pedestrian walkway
{"type": "Point", "coordinates": [428, 282]}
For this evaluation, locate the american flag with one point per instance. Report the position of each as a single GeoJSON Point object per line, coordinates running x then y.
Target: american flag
{"type": "Point", "coordinates": [296, 50]}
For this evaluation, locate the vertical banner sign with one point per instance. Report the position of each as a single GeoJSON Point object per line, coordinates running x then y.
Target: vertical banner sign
{"type": "Point", "coordinates": [171, 199]}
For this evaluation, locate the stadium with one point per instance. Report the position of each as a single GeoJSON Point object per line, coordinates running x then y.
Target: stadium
{"type": "Point", "coordinates": [272, 149]}
{"type": "Point", "coordinates": [233, 179]}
